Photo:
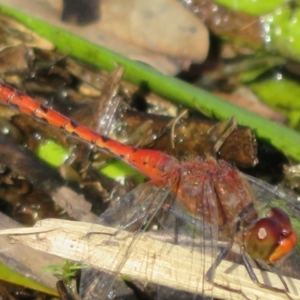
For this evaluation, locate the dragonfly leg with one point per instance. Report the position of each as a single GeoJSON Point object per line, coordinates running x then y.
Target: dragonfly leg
{"type": "Point", "coordinates": [210, 273]}
{"type": "Point", "coordinates": [255, 279]}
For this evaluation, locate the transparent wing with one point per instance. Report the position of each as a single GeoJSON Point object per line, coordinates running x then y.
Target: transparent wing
{"type": "Point", "coordinates": [129, 216]}
{"type": "Point", "coordinates": [158, 212]}
{"type": "Point", "coordinates": [198, 236]}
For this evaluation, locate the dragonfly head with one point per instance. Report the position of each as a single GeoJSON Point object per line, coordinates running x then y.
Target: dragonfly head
{"type": "Point", "coordinates": [272, 237]}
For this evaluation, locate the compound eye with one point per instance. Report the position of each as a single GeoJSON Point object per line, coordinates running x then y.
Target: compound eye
{"type": "Point", "coordinates": [283, 218]}
{"type": "Point", "coordinates": [263, 238]}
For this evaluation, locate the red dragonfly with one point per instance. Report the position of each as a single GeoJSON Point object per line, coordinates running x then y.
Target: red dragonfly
{"type": "Point", "coordinates": [215, 196]}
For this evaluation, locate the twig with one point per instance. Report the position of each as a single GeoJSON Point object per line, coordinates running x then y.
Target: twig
{"type": "Point", "coordinates": [150, 261]}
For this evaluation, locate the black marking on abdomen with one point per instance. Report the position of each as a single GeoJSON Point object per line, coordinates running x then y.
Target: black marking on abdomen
{"type": "Point", "coordinates": [44, 108]}
{"type": "Point", "coordinates": [105, 139]}
{"type": "Point", "coordinates": [74, 124]}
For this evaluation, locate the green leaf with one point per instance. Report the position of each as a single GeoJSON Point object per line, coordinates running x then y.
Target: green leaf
{"type": "Point", "coordinates": [274, 93]}
{"type": "Point", "coordinates": [284, 27]}
{"type": "Point", "coordinates": [52, 153]}
{"type": "Point", "coordinates": [252, 7]}
{"type": "Point", "coordinates": [117, 170]}
{"type": "Point", "coordinates": [67, 271]}
{"type": "Point", "coordinates": [279, 24]}
{"type": "Point", "coordinates": [12, 276]}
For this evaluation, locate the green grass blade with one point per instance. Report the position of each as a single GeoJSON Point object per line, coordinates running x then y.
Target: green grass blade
{"type": "Point", "coordinates": [11, 276]}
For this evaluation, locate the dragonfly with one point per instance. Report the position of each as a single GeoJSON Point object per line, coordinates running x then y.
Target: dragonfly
{"type": "Point", "coordinates": [201, 196]}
